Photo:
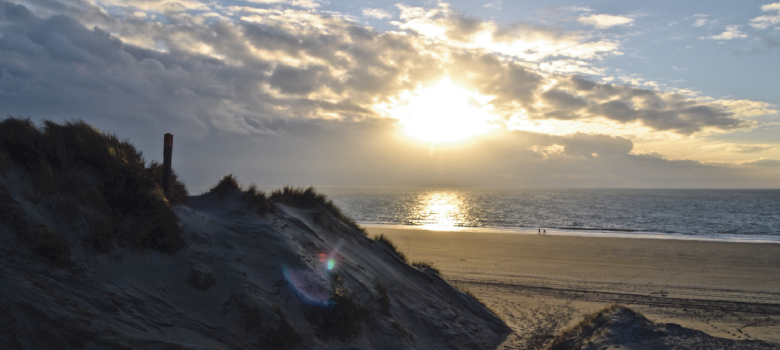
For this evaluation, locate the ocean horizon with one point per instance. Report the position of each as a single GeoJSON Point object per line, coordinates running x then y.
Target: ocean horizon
{"type": "Point", "coordinates": [735, 215]}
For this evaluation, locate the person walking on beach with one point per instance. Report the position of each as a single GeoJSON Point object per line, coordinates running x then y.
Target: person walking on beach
{"type": "Point", "coordinates": [540, 232]}
{"type": "Point", "coordinates": [545, 232]}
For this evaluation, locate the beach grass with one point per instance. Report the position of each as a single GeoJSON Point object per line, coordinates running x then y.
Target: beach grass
{"type": "Point", "coordinates": [307, 197]}
{"type": "Point", "coordinates": [381, 238]}
{"type": "Point", "coordinates": [101, 178]}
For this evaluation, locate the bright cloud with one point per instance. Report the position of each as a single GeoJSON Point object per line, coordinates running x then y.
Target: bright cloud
{"type": "Point", "coordinates": [297, 3]}
{"type": "Point", "coordinates": [376, 13]}
{"type": "Point", "coordinates": [732, 32]}
{"type": "Point", "coordinates": [519, 41]}
{"type": "Point", "coordinates": [700, 20]}
{"type": "Point", "coordinates": [767, 21]}
{"type": "Point", "coordinates": [495, 4]}
{"type": "Point", "coordinates": [739, 148]}
{"type": "Point", "coordinates": [605, 21]}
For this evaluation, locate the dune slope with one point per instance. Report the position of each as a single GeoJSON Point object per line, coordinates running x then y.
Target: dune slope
{"type": "Point", "coordinates": [81, 270]}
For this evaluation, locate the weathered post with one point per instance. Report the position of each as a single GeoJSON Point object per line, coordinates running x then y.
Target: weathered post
{"type": "Point", "coordinates": [167, 151]}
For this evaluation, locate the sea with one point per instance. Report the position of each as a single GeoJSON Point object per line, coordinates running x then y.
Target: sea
{"type": "Point", "coordinates": [730, 215]}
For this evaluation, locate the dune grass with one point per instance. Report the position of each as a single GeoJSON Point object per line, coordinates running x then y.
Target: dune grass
{"type": "Point", "coordinates": [308, 197]}
{"type": "Point", "coordinates": [386, 241]}
{"type": "Point", "coordinates": [227, 183]}
{"type": "Point", "coordinates": [251, 195]}
{"type": "Point", "coordinates": [384, 300]}
{"type": "Point", "coordinates": [106, 180]}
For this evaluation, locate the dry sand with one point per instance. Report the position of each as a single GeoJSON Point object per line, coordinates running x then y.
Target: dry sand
{"type": "Point", "coordinates": [542, 284]}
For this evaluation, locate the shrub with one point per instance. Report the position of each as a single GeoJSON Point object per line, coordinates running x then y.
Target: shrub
{"type": "Point", "coordinates": [50, 245]}
{"type": "Point", "coordinates": [252, 196]}
{"type": "Point", "coordinates": [257, 199]}
{"type": "Point", "coordinates": [308, 197]}
{"type": "Point", "coordinates": [341, 320]}
{"type": "Point", "coordinates": [386, 241]}
{"type": "Point", "coordinates": [227, 183]}
{"type": "Point", "coordinates": [285, 336]}
{"type": "Point", "coordinates": [102, 173]}
{"type": "Point", "coordinates": [178, 192]}
{"type": "Point", "coordinates": [11, 213]}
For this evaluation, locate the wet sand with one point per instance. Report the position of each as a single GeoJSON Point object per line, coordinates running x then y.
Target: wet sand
{"type": "Point", "coordinates": [542, 284]}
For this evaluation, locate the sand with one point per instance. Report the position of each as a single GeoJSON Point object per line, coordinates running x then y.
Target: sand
{"type": "Point", "coordinates": [542, 284]}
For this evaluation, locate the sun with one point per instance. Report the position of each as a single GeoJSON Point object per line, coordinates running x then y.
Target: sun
{"type": "Point", "coordinates": [444, 113]}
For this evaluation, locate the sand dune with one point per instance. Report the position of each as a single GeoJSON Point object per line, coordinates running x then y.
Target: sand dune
{"type": "Point", "coordinates": [543, 284]}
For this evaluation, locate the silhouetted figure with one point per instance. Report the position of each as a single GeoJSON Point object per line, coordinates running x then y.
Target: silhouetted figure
{"type": "Point", "coordinates": [545, 232]}
{"type": "Point", "coordinates": [540, 232]}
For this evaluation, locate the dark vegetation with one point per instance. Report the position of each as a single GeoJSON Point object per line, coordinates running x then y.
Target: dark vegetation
{"type": "Point", "coordinates": [309, 197]}
{"type": "Point", "coordinates": [251, 195]}
{"type": "Point", "coordinates": [341, 320]}
{"type": "Point", "coordinates": [569, 339]}
{"type": "Point", "coordinates": [104, 181]}
{"type": "Point", "coordinates": [386, 241]}
{"type": "Point", "coordinates": [384, 300]}
{"type": "Point", "coordinates": [285, 336]}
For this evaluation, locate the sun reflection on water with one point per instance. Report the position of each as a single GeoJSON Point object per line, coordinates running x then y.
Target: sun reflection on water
{"type": "Point", "coordinates": [440, 210]}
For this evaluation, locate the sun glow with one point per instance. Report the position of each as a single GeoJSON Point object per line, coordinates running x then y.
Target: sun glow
{"type": "Point", "coordinates": [443, 113]}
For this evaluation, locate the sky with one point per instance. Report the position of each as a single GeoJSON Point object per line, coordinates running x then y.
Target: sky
{"type": "Point", "coordinates": [550, 93]}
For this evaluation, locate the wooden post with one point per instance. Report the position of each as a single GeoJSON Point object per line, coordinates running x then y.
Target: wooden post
{"type": "Point", "coordinates": [167, 151]}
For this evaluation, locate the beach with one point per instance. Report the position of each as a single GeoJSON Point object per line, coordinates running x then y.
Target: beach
{"type": "Point", "coordinates": [540, 285]}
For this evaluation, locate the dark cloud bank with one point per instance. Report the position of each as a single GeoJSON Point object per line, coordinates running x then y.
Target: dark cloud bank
{"type": "Point", "coordinates": [299, 113]}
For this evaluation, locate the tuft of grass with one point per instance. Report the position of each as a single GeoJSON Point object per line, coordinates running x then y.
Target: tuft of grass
{"type": "Point", "coordinates": [11, 213]}
{"type": "Point", "coordinates": [251, 195]}
{"type": "Point", "coordinates": [49, 244]}
{"type": "Point", "coordinates": [386, 241]}
{"type": "Point", "coordinates": [423, 265]}
{"type": "Point", "coordinates": [384, 300]}
{"type": "Point", "coordinates": [341, 320]}
{"type": "Point", "coordinates": [227, 183]}
{"type": "Point", "coordinates": [285, 336]}
{"type": "Point", "coordinates": [400, 329]}
{"type": "Point", "coordinates": [257, 200]}
{"type": "Point", "coordinates": [308, 197]}
{"type": "Point", "coordinates": [103, 174]}
{"type": "Point", "coordinates": [576, 336]}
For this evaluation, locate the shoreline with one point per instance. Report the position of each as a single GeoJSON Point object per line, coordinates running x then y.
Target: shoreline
{"type": "Point", "coordinates": [542, 284]}
{"type": "Point", "coordinates": [575, 232]}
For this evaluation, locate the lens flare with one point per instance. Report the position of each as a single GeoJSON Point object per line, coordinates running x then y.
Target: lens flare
{"type": "Point", "coordinates": [313, 285]}
{"type": "Point", "coordinates": [310, 286]}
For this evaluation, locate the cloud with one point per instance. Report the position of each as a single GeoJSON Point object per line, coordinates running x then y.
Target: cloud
{"type": "Point", "coordinates": [245, 70]}
{"type": "Point", "coordinates": [764, 163]}
{"type": "Point", "coordinates": [732, 32]}
{"type": "Point", "coordinates": [766, 21]}
{"type": "Point", "coordinates": [297, 3]}
{"type": "Point", "coordinates": [518, 40]}
{"type": "Point", "coordinates": [605, 21]}
{"type": "Point", "coordinates": [700, 20]}
{"type": "Point", "coordinates": [739, 148]}
{"type": "Point", "coordinates": [495, 4]}
{"type": "Point", "coordinates": [376, 13]}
